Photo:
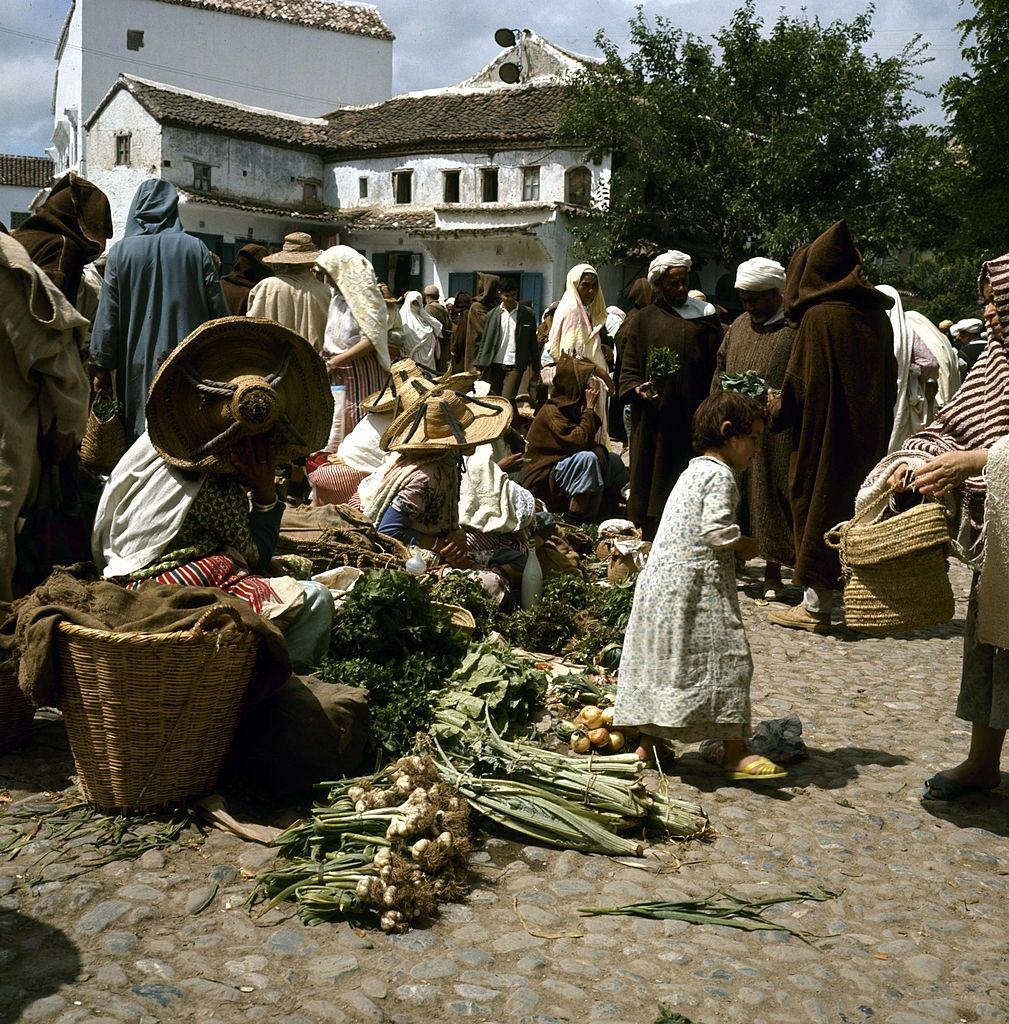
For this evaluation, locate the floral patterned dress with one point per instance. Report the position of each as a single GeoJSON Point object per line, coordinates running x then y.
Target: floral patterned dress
{"type": "Point", "coordinates": [686, 666]}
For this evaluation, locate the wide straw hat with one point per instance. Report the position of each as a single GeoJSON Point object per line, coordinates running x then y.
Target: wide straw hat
{"type": "Point", "coordinates": [409, 384]}
{"type": "Point", "coordinates": [400, 372]}
{"type": "Point", "coordinates": [298, 248]}
{"type": "Point", "coordinates": [234, 378]}
{"type": "Point", "coordinates": [447, 420]}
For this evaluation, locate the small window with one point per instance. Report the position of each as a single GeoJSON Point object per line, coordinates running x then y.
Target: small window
{"type": "Point", "coordinates": [402, 186]}
{"type": "Point", "coordinates": [530, 184]}
{"type": "Point", "coordinates": [134, 39]}
{"type": "Point", "coordinates": [123, 150]}
{"type": "Point", "coordinates": [451, 191]}
{"type": "Point", "coordinates": [488, 184]}
{"type": "Point", "coordinates": [17, 219]}
{"type": "Point", "coordinates": [309, 192]}
{"type": "Point", "coordinates": [201, 177]}
{"type": "Point", "coordinates": [362, 188]}
{"type": "Point", "coordinates": [578, 186]}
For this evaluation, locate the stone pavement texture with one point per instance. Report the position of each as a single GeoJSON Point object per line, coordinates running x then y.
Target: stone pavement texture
{"type": "Point", "coordinates": [918, 935]}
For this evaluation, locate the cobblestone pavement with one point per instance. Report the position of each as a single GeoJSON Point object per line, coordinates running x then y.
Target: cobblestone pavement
{"type": "Point", "coordinates": [918, 935]}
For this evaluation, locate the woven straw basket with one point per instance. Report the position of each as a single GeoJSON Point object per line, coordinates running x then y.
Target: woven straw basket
{"type": "Point", "coordinates": [895, 569]}
{"type": "Point", "coordinates": [16, 714]}
{"type": "Point", "coordinates": [462, 618]}
{"type": "Point", "coordinates": [104, 442]}
{"type": "Point", "coordinates": [151, 716]}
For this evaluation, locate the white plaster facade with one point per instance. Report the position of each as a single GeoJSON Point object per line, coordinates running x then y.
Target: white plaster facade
{"type": "Point", "coordinates": [15, 199]}
{"type": "Point", "coordinates": [284, 67]}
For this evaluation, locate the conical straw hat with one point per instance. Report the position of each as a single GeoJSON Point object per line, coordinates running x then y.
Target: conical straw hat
{"type": "Point", "coordinates": [446, 420]}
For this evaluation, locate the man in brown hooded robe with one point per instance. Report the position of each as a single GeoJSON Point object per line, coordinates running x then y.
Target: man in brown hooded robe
{"type": "Point", "coordinates": [68, 231]}
{"type": "Point", "coordinates": [248, 270]}
{"type": "Point", "coordinates": [660, 422]}
{"type": "Point", "coordinates": [484, 301]}
{"type": "Point", "coordinates": [838, 398]}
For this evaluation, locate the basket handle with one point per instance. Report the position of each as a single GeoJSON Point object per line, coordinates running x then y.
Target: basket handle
{"type": "Point", "coordinates": [212, 612]}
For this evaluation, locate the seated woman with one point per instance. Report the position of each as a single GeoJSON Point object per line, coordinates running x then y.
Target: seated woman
{"type": "Point", "coordinates": [415, 496]}
{"type": "Point", "coordinates": [567, 469]}
{"type": "Point", "coordinates": [194, 500]}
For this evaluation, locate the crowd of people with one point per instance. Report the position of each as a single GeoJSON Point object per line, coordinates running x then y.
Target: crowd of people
{"type": "Point", "coordinates": [469, 428]}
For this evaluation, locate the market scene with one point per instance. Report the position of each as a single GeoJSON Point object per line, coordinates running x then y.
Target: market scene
{"type": "Point", "coordinates": [526, 550]}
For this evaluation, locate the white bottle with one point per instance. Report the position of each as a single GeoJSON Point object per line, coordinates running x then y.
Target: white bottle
{"type": "Point", "coordinates": [415, 565]}
{"type": "Point", "coordinates": [532, 580]}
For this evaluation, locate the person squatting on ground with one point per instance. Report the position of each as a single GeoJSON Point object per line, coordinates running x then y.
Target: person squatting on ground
{"type": "Point", "coordinates": [686, 666]}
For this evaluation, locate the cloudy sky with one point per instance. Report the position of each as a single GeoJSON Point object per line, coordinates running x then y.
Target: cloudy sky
{"type": "Point", "coordinates": [440, 42]}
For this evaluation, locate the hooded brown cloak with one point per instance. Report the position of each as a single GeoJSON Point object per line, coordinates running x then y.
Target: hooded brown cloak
{"type": "Point", "coordinates": [838, 396]}
{"type": "Point", "coordinates": [660, 431]}
{"type": "Point", "coordinates": [561, 428]}
{"type": "Point", "coordinates": [484, 301]}
{"type": "Point", "coordinates": [249, 270]}
{"type": "Point", "coordinates": [69, 230]}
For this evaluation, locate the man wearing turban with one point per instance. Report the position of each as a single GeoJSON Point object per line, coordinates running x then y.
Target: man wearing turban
{"type": "Point", "coordinates": [760, 340]}
{"type": "Point", "coordinates": [661, 415]}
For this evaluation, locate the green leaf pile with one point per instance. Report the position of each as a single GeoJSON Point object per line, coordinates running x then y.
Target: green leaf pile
{"type": "Point", "coordinates": [748, 383]}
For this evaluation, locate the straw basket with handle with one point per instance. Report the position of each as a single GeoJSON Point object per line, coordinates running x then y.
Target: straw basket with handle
{"type": "Point", "coordinates": [104, 442]}
{"type": "Point", "coordinates": [895, 569]}
{"type": "Point", "coordinates": [151, 716]}
{"type": "Point", "coordinates": [16, 714]}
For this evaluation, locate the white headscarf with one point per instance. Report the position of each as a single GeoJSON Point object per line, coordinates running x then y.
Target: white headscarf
{"type": "Point", "coordinates": [666, 261]}
{"type": "Point", "coordinates": [354, 278]}
{"type": "Point", "coordinates": [421, 332]}
{"type": "Point", "coordinates": [575, 328]}
{"type": "Point", "coordinates": [760, 275]}
{"type": "Point", "coordinates": [969, 326]}
{"type": "Point", "coordinates": [911, 411]}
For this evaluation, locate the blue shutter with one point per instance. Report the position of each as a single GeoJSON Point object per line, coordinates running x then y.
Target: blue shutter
{"type": "Point", "coordinates": [531, 287]}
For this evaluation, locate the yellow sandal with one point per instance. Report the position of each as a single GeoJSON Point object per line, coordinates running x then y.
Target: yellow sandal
{"type": "Point", "coordinates": [760, 770]}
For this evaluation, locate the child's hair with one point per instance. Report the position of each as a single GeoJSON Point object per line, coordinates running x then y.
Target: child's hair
{"type": "Point", "coordinates": [738, 409]}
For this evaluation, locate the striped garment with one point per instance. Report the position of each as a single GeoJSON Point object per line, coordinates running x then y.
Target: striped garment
{"type": "Point", "coordinates": [334, 483]}
{"type": "Point", "coordinates": [365, 376]}
{"type": "Point", "coordinates": [221, 572]}
{"type": "Point", "coordinates": [975, 418]}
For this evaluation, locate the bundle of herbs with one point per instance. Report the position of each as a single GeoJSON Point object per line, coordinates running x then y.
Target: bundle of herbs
{"type": "Point", "coordinates": [461, 589]}
{"type": "Point", "coordinates": [554, 621]}
{"type": "Point", "coordinates": [387, 849]}
{"type": "Point", "coordinates": [747, 383]}
{"type": "Point", "coordinates": [389, 638]}
{"type": "Point", "coordinates": [662, 364]}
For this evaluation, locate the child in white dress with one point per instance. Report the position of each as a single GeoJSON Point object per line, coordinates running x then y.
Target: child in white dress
{"type": "Point", "coordinates": [686, 666]}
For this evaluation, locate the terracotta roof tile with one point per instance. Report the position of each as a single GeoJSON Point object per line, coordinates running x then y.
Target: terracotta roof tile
{"type": "Point", "coordinates": [318, 214]}
{"type": "Point", "coordinates": [371, 218]}
{"type": "Point", "coordinates": [427, 123]}
{"type": "Point", "coordinates": [350, 18]}
{"type": "Point", "coordinates": [26, 171]}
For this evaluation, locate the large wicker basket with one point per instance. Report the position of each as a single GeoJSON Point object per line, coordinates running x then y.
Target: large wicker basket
{"type": "Point", "coordinates": [151, 716]}
{"type": "Point", "coordinates": [16, 714]}
{"type": "Point", "coordinates": [895, 569]}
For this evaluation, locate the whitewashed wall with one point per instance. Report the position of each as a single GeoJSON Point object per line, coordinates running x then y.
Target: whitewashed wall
{"type": "Point", "coordinates": [68, 94]}
{"type": "Point", "coordinates": [342, 188]}
{"type": "Point", "coordinates": [123, 114]}
{"type": "Point", "coordinates": [14, 199]}
{"type": "Point", "coordinates": [240, 167]}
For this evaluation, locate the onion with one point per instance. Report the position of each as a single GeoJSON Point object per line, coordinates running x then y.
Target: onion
{"type": "Point", "coordinates": [607, 717]}
{"type": "Point", "coordinates": [590, 716]}
{"type": "Point", "coordinates": [616, 740]}
{"type": "Point", "coordinates": [599, 737]}
{"type": "Point", "coordinates": [580, 743]}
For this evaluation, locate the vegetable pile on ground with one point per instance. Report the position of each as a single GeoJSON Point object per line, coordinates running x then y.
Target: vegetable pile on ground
{"type": "Point", "coordinates": [391, 639]}
{"type": "Point", "coordinates": [388, 848]}
{"type": "Point", "coordinates": [467, 592]}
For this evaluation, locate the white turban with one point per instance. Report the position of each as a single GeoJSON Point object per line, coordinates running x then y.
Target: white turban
{"type": "Point", "coordinates": [760, 275]}
{"type": "Point", "coordinates": [969, 326]}
{"type": "Point", "coordinates": [668, 260]}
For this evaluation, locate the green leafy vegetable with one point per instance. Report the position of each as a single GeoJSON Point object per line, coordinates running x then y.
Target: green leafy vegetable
{"type": "Point", "coordinates": [469, 593]}
{"type": "Point", "coordinates": [662, 364]}
{"type": "Point", "coordinates": [748, 383]}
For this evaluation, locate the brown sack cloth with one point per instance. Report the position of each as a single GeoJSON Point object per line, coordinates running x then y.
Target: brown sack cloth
{"type": "Point", "coordinates": [28, 632]}
{"type": "Point", "coordinates": [305, 733]}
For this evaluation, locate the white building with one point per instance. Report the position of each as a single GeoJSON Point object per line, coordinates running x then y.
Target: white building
{"type": "Point", "coordinates": [21, 179]}
{"type": "Point", "coordinates": [291, 56]}
{"type": "Point", "coordinates": [431, 186]}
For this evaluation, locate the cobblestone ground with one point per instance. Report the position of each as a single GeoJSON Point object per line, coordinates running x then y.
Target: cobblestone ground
{"type": "Point", "coordinates": [917, 936]}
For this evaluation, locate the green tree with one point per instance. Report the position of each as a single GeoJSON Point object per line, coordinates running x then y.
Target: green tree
{"type": "Point", "coordinates": [754, 145]}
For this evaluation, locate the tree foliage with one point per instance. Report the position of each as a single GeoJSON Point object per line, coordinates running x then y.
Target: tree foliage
{"type": "Point", "coordinates": [755, 144]}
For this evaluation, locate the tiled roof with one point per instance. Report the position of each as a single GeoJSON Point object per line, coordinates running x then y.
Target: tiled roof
{"type": "Point", "coordinates": [429, 123]}
{"type": "Point", "coordinates": [377, 218]}
{"type": "Point", "coordinates": [350, 18]}
{"type": "Point", "coordinates": [26, 171]}
{"type": "Point", "coordinates": [477, 232]}
{"type": "Point", "coordinates": [173, 106]}
{"type": "Point", "coordinates": [449, 120]}
{"type": "Point", "coordinates": [316, 214]}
